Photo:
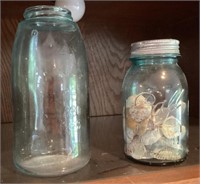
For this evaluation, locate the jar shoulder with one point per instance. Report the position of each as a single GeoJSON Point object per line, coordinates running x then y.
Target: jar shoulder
{"type": "Point", "coordinates": [154, 78]}
{"type": "Point", "coordinates": [162, 72]}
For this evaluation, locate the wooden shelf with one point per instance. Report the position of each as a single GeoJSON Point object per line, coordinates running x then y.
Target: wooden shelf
{"type": "Point", "coordinates": [182, 175]}
{"type": "Point", "coordinates": [108, 163]}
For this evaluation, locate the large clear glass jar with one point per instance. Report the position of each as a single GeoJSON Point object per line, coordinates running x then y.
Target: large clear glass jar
{"type": "Point", "coordinates": [155, 104]}
{"type": "Point", "coordinates": [50, 94]}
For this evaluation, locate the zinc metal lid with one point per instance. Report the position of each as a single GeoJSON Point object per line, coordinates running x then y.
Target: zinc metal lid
{"type": "Point", "coordinates": [155, 47]}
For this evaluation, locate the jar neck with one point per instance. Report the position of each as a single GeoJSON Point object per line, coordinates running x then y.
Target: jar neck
{"type": "Point", "coordinates": [44, 11]}
{"type": "Point", "coordinates": [154, 60]}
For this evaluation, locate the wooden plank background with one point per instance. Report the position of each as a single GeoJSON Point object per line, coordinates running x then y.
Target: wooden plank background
{"type": "Point", "coordinates": [108, 29]}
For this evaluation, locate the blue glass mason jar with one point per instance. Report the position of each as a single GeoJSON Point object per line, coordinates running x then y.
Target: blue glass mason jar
{"type": "Point", "coordinates": [155, 104]}
{"type": "Point", "coordinates": [50, 94]}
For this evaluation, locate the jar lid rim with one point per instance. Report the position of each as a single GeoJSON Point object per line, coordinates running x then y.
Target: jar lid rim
{"type": "Point", "coordinates": [40, 10]}
{"type": "Point", "coordinates": [157, 46]}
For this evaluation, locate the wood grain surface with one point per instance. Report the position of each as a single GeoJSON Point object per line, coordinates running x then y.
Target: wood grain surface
{"type": "Point", "coordinates": [108, 29]}
{"type": "Point", "coordinates": [189, 175]}
{"type": "Point", "coordinates": [7, 37]}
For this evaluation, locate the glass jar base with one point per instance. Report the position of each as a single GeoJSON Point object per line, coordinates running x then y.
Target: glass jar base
{"type": "Point", "coordinates": [51, 165]}
{"type": "Point", "coordinates": [155, 162]}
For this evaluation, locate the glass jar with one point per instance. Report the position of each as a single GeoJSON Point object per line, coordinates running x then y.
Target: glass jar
{"type": "Point", "coordinates": [50, 94]}
{"type": "Point", "coordinates": [155, 104]}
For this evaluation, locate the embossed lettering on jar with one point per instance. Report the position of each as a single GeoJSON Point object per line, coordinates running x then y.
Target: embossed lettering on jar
{"type": "Point", "coordinates": [50, 94]}
{"type": "Point", "coordinates": [155, 104]}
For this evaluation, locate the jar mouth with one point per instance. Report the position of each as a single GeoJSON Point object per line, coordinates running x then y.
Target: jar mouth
{"type": "Point", "coordinates": [47, 11]}
{"type": "Point", "coordinates": [155, 47]}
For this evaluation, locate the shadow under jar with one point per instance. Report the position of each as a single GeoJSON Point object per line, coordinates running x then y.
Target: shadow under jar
{"type": "Point", "coordinates": [50, 94]}
{"type": "Point", "coordinates": [155, 104]}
